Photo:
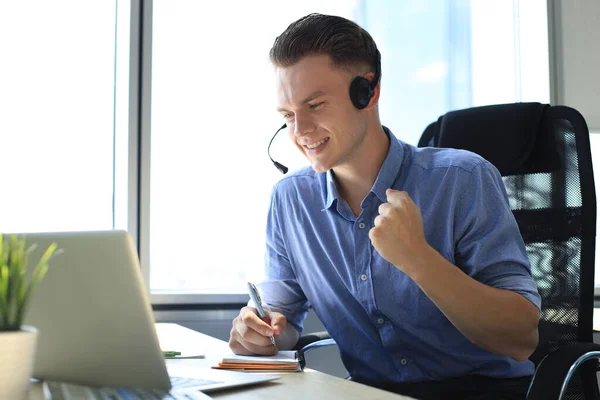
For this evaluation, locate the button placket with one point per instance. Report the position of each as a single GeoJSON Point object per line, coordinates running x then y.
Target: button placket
{"type": "Point", "coordinates": [361, 225]}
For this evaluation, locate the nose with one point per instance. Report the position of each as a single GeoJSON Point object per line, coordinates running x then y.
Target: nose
{"type": "Point", "coordinates": [303, 125]}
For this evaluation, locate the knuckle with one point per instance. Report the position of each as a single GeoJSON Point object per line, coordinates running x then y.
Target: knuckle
{"type": "Point", "coordinates": [245, 310]}
{"type": "Point", "coordinates": [373, 234]}
{"type": "Point", "coordinates": [247, 317]}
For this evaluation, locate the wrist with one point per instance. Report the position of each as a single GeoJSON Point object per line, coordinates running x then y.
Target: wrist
{"type": "Point", "coordinates": [423, 263]}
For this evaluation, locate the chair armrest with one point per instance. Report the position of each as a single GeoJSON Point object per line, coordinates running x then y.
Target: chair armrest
{"type": "Point", "coordinates": [310, 342]}
{"type": "Point", "coordinates": [310, 338]}
{"type": "Point", "coordinates": [556, 369]}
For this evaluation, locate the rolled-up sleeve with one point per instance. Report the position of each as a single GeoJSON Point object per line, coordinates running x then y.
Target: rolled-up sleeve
{"type": "Point", "coordinates": [489, 245]}
{"type": "Point", "coordinates": [280, 290]}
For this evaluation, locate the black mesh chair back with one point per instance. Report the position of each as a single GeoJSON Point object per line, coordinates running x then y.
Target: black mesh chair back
{"type": "Point", "coordinates": [543, 154]}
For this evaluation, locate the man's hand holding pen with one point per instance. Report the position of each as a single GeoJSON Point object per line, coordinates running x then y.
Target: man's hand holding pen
{"type": "Point", "coordinates": [251, 335]}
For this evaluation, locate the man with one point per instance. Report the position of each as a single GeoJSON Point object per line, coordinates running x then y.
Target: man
{"type": "Point", "coordinates": [411, 258]}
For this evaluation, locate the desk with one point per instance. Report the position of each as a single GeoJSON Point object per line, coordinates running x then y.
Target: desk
{"type": "Point", "coordinates": [309, 384]}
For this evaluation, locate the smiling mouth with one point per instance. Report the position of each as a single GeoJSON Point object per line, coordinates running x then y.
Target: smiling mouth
{"type": "Point", "coordinates": [315, 145]}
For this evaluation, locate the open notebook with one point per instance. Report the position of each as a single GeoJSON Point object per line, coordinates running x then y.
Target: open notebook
{"type": "Point", "coordinates": [285, 360]}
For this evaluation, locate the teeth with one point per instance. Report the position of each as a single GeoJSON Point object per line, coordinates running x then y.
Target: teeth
{"type": "Point", "coordinates": [317, 144]}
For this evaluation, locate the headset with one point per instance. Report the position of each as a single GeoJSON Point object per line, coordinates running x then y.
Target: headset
{"type": "Point", "coordinates": [361, 91]}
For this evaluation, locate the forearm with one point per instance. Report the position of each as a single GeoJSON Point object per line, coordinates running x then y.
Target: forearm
{"type": "Point", "coordinates": [500, 321]}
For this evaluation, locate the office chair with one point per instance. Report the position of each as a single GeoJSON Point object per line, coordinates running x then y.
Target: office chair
{"type": "Point", "coordinates": [543, 153]}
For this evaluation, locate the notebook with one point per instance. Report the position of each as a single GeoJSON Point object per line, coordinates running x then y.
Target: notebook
{"type": "Point", "coordinates": [285, 360]}
{"type": "Point", "coordinates": [95, 321]}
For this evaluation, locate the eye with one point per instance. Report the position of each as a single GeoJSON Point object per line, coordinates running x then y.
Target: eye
{"type": "Point", "coordinates": [288, 117]}
{"type": "Point", "coordinates": [315, 106]}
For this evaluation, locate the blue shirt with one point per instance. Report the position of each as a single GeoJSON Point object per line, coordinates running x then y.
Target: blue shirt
{"type": "Point", "coordinates": [319, 254]}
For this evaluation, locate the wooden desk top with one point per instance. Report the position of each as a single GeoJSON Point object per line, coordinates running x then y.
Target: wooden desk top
{"type": "Point", "coordinates": [309, 384]}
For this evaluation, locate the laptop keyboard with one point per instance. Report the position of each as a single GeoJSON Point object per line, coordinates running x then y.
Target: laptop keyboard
{"type": "Point", "coordinates": [67, 391]}
{"type": "Point", "coordinates": [179, 383]}
{"type": "Point", "coordinates": [149, 394]}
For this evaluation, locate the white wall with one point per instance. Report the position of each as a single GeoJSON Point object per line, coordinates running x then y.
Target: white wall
{"type": "Point", "coordinates": [575, 56]}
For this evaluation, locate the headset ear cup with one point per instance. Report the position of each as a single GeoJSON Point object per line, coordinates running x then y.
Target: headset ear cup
{"type": "Point", "coordinates": [360, 92]}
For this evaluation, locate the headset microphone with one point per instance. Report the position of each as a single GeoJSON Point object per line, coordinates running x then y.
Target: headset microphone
{"type": "Point", "coordinates": [279, 166]}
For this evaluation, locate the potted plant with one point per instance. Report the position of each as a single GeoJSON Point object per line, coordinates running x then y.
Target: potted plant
{"type": "Point", "coordinates": [17, 285]}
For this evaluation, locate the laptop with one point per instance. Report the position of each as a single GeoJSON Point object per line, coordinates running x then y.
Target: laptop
{"type": "Point", "coordinates": [95, 321]}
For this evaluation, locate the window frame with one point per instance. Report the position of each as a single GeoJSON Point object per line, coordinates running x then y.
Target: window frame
{"type": "Point", "coordinates": [140, 155]}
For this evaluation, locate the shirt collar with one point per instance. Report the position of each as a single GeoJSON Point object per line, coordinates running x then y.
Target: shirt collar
{"type": "Point", "coordinates": [385, 179]}
{"type": "Point", "coordinates": [391, 167]}
{"type": "Point", "coordinates": [331, 189]}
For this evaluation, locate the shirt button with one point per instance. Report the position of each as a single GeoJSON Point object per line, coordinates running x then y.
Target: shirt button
{"type": "Point", "coordinates": [361, 225]}
{"type": "Point", "coordinates": [380, 321]}
{"type": "Point", "coordinates": [363, 277]}
{"type": "Point", "coordinates": [404, 361]}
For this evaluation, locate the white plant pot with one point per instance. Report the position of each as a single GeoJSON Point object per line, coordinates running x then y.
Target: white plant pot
{"type": "Point", "coordinates": [17, 351]}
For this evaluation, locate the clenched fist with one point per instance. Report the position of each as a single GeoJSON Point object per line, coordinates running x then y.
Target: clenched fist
{"type": "Point", "coordinates": [250, 335]}
{"type": "Point", "coordinates": [398, 232]}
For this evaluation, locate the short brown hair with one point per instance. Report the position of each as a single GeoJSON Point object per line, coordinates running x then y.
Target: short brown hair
{"type": "Point", "coordinates": [347, 44]}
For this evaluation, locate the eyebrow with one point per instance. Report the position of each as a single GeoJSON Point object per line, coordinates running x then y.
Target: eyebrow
{"type": "Point", "coordinates": [308, 99]}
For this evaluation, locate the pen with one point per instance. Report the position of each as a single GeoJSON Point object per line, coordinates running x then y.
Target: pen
{"type": "Point", "coordinates": [258, 304]}
{"type": "Point", "coordinates": [171, 353]}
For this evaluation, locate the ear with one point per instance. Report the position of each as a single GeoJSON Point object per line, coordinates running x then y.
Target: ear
{"type": "Point", "coordinates": [376, 91]}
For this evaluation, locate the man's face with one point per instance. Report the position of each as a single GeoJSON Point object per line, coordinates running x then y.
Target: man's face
{"type": "Point", "coordinates": [313, 96]}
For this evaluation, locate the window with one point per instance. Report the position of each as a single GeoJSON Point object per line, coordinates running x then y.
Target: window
{"type": "Point", "coordinates": [595, 147]}
{"type": "Point", "coordinates": [63, 125]}
{"type": "Point", "coordinates": [202, 182]}
{"type": "Point", "coordinates": [213, 112]}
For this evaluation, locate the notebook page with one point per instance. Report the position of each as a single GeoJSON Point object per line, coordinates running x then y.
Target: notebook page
{"type": "Point", "coordinates": [283, 357]}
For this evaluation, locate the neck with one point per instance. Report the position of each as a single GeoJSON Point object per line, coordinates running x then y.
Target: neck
{"type": "Point", "coordinates": [356, 177]}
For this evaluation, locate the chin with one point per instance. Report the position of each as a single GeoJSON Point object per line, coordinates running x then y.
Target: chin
{"type": "Point", "coordinates": [320, 168]}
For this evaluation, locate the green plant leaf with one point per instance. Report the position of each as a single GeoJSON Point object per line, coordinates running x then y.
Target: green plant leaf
{"type": "Point", "coordinates": [3, 295]}
{"type": "Point", "coordinates": [47, 254]}
{"type": "Point", "coordinates": [16, 290]}
{"type": "Point", "coordinates": [33, 284]}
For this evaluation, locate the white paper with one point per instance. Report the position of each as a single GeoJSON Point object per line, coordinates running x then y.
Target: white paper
{"type": "Point", "coordinates": [284, 357]}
